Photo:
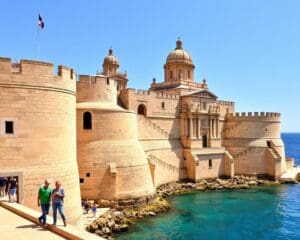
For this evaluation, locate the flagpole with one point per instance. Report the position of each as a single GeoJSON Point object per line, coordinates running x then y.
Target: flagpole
{"type": "Point", "coordinates": [38, 44]}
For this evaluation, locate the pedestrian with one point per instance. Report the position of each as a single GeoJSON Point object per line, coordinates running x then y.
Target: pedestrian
{"type": "Point", "coordinates": [86, 206]}
{"type": "Point", "coordinates": [12, 190]}
{"type": "Point", "coordinates": [94, 209]}
{"type": "Point", "coordinates": [2, 186]}
{"type": "Point", "coordinates": [44, 198]}
{"type": "Point", "coordinates": [58, 195]}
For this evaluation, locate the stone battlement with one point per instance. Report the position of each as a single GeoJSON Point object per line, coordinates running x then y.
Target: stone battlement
{"type": "Point", "coordinates": [227, 103]}
{"type": "Point", "coordinates": [152, 93]}
{"type": "Point", "coordinates": [36, 73]}
{"type": "Point", "coordinates": [253, 116]}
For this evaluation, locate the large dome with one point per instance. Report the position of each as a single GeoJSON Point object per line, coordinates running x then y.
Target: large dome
{"type": "Point", "coordinates": [179, 54]}
{"type": "Point", "coordinates": [110, 58]}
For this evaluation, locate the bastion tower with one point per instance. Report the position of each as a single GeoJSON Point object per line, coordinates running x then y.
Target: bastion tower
{"type": "Point", "coordinates": [37, 130]}
{"type": "Point", "coordinates": [112, 163]}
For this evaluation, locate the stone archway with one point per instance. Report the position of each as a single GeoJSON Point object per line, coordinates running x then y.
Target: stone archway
{"type": "Point", "coordinates": [142, 110]}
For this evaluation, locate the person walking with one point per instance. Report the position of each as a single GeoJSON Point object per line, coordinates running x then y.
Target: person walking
{"type": "Point", "coordinates": [12, 190]}
{"type": "Point", "coordinates": [58, 195]}
{"type": "Point", "coordinates": [2, 186]}
{"type": "Point", "coordinates": [44, 198]}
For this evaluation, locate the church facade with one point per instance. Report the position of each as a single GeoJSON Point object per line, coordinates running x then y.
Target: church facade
{"type": "Point", "coordinates": [104, 140]}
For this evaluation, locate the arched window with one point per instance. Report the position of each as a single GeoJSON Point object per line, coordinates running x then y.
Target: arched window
{"type": "Point", "coordinates": [87, 120]}
{"type": "Point", "coordinates": [171, 74]}
{"type": "Point", "coordinates": [142, 110]}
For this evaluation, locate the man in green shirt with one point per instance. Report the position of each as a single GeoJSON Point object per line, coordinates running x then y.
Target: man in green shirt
{"type": "Point", "coordinates": [44, 196]}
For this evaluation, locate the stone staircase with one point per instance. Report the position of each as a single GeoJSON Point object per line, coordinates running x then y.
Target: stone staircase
{"type": "Point", "coordinates": [156, 161]}
{"type": "Point", "coordinates": [272, 150]}
{"type": "Point", "coordinates": [148, 129]}
{"type": "Point", "coordinates": [242, 153]}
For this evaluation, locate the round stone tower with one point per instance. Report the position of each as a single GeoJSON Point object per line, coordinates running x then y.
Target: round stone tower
{"type": "Point", "coordinates": [112, 163]}
{"type": "Point", "coordinates": [37, 130]}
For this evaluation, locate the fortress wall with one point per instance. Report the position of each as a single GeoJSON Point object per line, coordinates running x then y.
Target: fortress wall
{"type": "Point", "coordinates": [43, 143]}
{"type": "Point", "coordinates": [157, 104]}
{"type": "Point", "coordinates": [257, 125]}
{"type": "Point", "coordinates": [34, 74]}
{"type": "Point", "coordinates": [253, 131]}
{"type": "Point", "coordinates": [169, 125]}
{"type": "Point", "coordinates": [225, 107]}
{"type": "Point", "coordinates": [251, 163]}
{"type": "Point", "coordinates": [112, 142]}
{"type": "Point", "coordinates": [96, 88]}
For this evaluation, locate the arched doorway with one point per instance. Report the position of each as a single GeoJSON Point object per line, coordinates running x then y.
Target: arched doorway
{"type": "Point", "coordinates": [142, 110]}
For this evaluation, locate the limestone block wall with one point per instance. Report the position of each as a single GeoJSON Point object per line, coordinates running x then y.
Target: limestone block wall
{"type": "Point", "coordinates": [96, 89]}
{"type": "Point", "coordinates": [41, 106]}
{"type": "Point", "coordinates": [157, 104]}
{"type": "Point", "coordinates": [168, 165]}
{"type": "Point", "coordinates": [246, 137]}
{"type": "Point", "coordinates": [113, 140]}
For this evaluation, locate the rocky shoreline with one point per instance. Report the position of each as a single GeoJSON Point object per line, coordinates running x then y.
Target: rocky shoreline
{"type": "Point", "coordinates": [118, 220]}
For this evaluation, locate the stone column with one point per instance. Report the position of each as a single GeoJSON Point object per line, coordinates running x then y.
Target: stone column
{"type": "Point", "coordinates": [210, 127]}
{"type": "Point", "coordinates": [199, 128]}
{"type": "Point", "coordinates": [217, 127]}
{"type": "Point", "coordinates": [191, 127]}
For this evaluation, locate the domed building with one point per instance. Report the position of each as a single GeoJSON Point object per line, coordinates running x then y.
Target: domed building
{"type": "Point", "coordinates": [179, 65]}
{"type": "Point", "coordinates": [128, 141]}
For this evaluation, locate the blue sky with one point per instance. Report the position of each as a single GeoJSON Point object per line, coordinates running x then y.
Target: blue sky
{"type": "Point", "coordinates": [248, 50]}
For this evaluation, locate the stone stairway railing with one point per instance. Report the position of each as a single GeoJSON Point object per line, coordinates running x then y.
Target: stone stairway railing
{"type": "Point", "coordinates": [154, 126]}
{"type": "Point", "coordinates": [240, 154]}
{"type": "Point", "coordinates": [155, 160]}
{"type": "Point", "coordinates": [273, 151]}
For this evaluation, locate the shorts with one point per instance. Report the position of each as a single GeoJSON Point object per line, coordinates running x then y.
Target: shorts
{"type": "Point", "coordinates": [12, 191]}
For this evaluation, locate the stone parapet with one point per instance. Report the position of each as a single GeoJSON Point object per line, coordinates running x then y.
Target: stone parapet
{"type": "Point", "coordinates": [36, 74]}
{"type": "Point", "coordinates": [256, 116]}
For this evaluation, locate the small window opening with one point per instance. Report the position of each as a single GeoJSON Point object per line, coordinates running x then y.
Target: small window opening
{"type": "Point", "coordinates": [88, 175]}
{"type": "Point", "coordinates": [171, 74]}
{"type": "Point", "coordinates": [269, 144]}
{"type": "Point", "coordinates": [163, 105]}
{"type": "Point", "coordinates": [9, 127]}
{"type": "Point", "coordinates": [189, 74]}
{"type": "Point", "coordinates": [81, 180]}
{"type": "Point", "coordinates": [209, 163]}
{"type": "Point", "coordinates": [87, 120]}
{"type": "Point", "coordinates": [107, 81]}
{"type": "Point", "coordinates": [266, 129]}
{"type": "Point", "coordinates": [204, 105]}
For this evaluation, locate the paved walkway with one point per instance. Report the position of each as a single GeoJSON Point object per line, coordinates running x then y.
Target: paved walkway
{"type": "Point", "coordinates": [14, 227]}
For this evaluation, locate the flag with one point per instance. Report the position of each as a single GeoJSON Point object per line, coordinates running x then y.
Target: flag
{"type": "Point", "coordinates": [41, 22]}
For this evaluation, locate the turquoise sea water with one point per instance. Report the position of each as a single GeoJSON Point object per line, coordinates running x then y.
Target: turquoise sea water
{"type": "Point", "coordinates": [257, 213]}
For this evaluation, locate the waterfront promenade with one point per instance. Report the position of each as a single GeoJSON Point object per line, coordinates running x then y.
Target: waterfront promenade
{"type": "Point", "coordinates": [13, 226]}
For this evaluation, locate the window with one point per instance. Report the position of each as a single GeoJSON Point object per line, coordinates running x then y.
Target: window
{"type": "Point", "coordinates": [88, 175]}
{"type": "Point", "coordinates": [87, 120]}
{"type": "Point", "coordinates": [81, 180]}
{"type": "Point", "coordinates": [9, 127]}
{"type": "Point", "coordinates": [180, 74]}
{"type": "Point", "coordinates": [163, 105]}
{"type": "Point", "coordinates": [204, 105]}
{"type": "Point", "coordinates": [107, 81]}
{"type": "Point", "coordinates": [171, 74]}
{"type": "Point", "coordinates": [204, 141]}
{"type": "Point", "coordinates": [209, 163]}
{"type": "Point", "coordinates": [189, 74]}
{"type": "Point", "coordinates": [142, 110]}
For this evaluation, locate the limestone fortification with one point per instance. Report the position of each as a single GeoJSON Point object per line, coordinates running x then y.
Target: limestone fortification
{"type": "Point", "coordinates": [41, 143]}
{"type": "Point", "coordinates": [127, 141]}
